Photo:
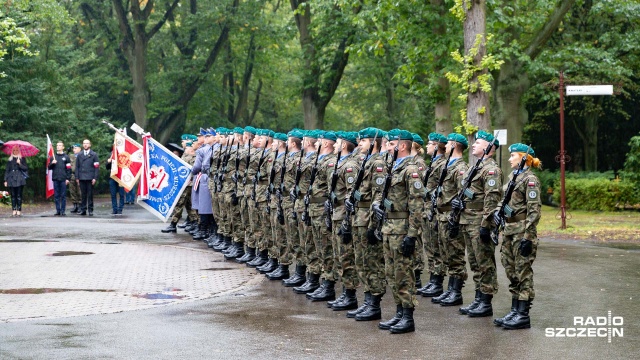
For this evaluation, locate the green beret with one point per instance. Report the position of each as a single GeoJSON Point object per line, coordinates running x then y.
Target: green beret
{"type": "Point", "coordinates": [328, 135]}
{"type": "Point", "coordinates": [280, 136]}
{"type": "Point", "coordinates": [189, 144]}
{"type": "Point", "coordinates": [370, 133]}
{"type": "Point", "coordinates": [434, 136]}
{"type": "Point", "coordinates": [238, 130]}
{"type": "Point", "coordinates": [519, 147]}
{"type": "Point", "coordinates": [348, 136]}
{"type": "Point", "coordinates": [192, 137]}
{"type": "Point", "coordinates": [184, 137]}
{"type": "Point", "coordinates": [221, 130]}
{"type": "Point", "coordinates": [250, 130]}
{"type": "Point", "coordinates": [78, 145]}
{"type": "Point", "coordinates": [269, 133]}
{"type": "Point", "coordinates": [397, 134]}
{"type": "Point", "coordinates": [481, 134]}
{"type": "Point", "coordinates": [313, 134]}
{"type": "Point", "coordinates": [459, 138]}
{"type": "Point", "coordinates": [295, 133]}
{"type": "Point", "coordinates": [417, 139]}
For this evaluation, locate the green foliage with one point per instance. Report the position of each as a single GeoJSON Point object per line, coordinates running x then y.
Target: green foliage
{"type": "Point", "coordinates": [598, 194]}
{"type": "Point", "coordinates": [632, 162]}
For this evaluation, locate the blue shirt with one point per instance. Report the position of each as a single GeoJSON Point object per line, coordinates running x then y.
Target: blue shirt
{"type": "Point", "coordinates": [451, 161]}
{"type": "Point", "coordinates": [399, 161]}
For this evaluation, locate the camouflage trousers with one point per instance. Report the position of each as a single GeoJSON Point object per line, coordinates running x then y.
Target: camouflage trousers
{"type": "Point", "coordinates": [183, 203]}
{"type": "Point", "coordinates": [346, 258]}
{"type": "Point", "coordinates": [399, 271]}
{"type": "Point", "coordinates": [262, 233]}
{"type": "Point", "coordinates": [278, 248]}
{"type": "Point", "coordinates": [74, 191]}
{"type": "Point", "coordinates": [518, 268]}
{"type": "Point", "coordinates": [308, 246]}
{"type": "Point", "coordinates": [369, 260]}
{"type": "Point", "coordinates": [255, 229]}
{"type": "Point", "coordinates": [234, 219]}
{"type": "Point", "coordinates": [482, 260]}
{"type": "Point", "coordinates": [434, 251]}
{"type": "Point", "coordinates": [324, 244]}
{"type": "Point", "coordinates": [224, 206]}
{"type": "Point", "coordinates": [292, 235]}
{"type": "Point", "coordinates": [244, 215]}
{"type": "Point", "coordinates": [215, 207]}
{"type": "Point", "coordinates": [419, 260]}
{"type": "Point", "coordinates": [455, 251]}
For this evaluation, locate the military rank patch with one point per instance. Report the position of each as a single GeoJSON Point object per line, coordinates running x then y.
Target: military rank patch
{"type": "Point", "coordinates": [415, 175]}
{"type": "Point", "coordinates": [461, 172]}
{"type": "Point", "coordinates": [349, 170]}
{"type": "Point", "coordinates": [350, 180]}
{"type": "Point", "coordinates": [380, 181]}
{"type": "Point", "coordinates": [417, 185]}
{"type": "Point", "coordinates": [491, 182]}
{"type": "Point", "coordinates": [270, 160]}
{"type": "Point", "coordinates": [532, 183]}
{"type": "Point", "coordinates": [491, 172]}
{"type": "Point", "coordinates": [331, 165]}
{"type": "Point", "coordinates": [533, 194]}
{"type": "Point", "coordinates": [379, 169]}
{"type": "Point", "coordinates": [420, 168]}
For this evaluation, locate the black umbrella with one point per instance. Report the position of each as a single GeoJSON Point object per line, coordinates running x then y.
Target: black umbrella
{"type": "Point", "coordinates": [175, 147]}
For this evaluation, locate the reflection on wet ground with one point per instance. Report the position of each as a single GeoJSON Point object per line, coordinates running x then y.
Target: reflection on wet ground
{"type": "Point", "coordinates": [220, 268]}
{"type": "Point", "coordinates": [31, 291]}
{"type": "Point", "coordinates": [26, 241]}
{"type": "Point", "coordinates": [156, 296]}
{"type": "Point", "coordinates": [70, 253]}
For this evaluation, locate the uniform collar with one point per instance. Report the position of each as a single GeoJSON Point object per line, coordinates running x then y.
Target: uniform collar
{"type": "Point", "coordinates": [399, 161]}
{"type": "Point", "coordinates": [452, 161]}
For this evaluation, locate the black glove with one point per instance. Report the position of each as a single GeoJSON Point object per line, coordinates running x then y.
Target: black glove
{"type": "Point", "coordinates": [328, 206]}
{"type": "Point", "coordinates": [293, 195]}
{"type": "Point", "coordinates": [497, 219]}
{"type": "Point", "coordinates": [371, 237]}
{"type": "Point", "coordinates": [234, 199]}
{"type": "Point", "coordinates": [378, 212]}
{"type": "Point", "coordinates": [408, 246]}
{"type": "Point", "coordinates": [526, 247]}
{"type": "Point", "coordinates": [234, 178]}
{"type": "Point", "coordinates": [454, 229]}
{"type": "Point", "coordinates": [349, 206]}
{"type": "Point", "coordinates": [433, 196]}
{"type": "Point", "coordinates": [457, 204]}
{"type": "Point", "coordinates": [345, 233]}
{"type": "Point", "coordinates": [485, 235]}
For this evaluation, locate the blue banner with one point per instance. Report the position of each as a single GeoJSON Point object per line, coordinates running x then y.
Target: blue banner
{"type": "Point", "coordinates": [167, 176]}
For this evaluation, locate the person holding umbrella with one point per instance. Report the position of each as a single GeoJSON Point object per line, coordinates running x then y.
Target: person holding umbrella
{"type": "Point", "coordinates": [15, 178]}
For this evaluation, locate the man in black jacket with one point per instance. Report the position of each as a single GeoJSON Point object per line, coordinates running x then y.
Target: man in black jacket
{"type": "Point", "coordinates": [60, 166]}
{"type": "Point", "coordinates": [87, 166]}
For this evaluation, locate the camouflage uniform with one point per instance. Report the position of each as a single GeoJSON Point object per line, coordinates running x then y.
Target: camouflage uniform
{"type": "Point", "coordinates": [526, 205]}
{"type": "Point", "coordinates": [215, 200]}
{"type": "Point", "coordinates": [455, 248]}
{"type": "Point", "coordinates": [263, 231]}
{"type": "Point", "coordinates": [278, 243]}
{"type": "Point", "coordinates": [434, 250]}
{"type": "Point", "coordinates": [291, 225]}
{"type": "Point", "coordinates": [74, 187]}
{"type": "Point", "coordinates": [321, 235]}
{"type": "Point", "coordinates": [419, 265]}
{"type": "Point", "coordinates": [406, 194]}
{"type": "Point", "coordinates": [185, 199]}
{"type": "Point", "coordinates": [233, 225]}
{"type": "Point", "coordinates": [487, 192]}
{"type": "Point", "coordinates": [254, 230]}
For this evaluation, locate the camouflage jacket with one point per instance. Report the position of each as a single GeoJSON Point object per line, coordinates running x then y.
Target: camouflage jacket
{"type": "Point", "coordinates": [450, 187]}
{"type": "Point", "coordinates": [483, 194]}
{"type": "Point", "coordinates": [303, 186]}
{"type": "Point", "coordinates": [250, 173]}
{"type": "Point", "coordinates": [319, 192]}
{"type": "Point", "coordinates": [263, 178]}
{"type": "Point", "coordinates": [347, 171]}
{"type": "Point", "coordinates": [290, 177]}
{"type": "Point", "coordinates": [371, 186]}
{"type": "Point", "coordinates": [525, 202]}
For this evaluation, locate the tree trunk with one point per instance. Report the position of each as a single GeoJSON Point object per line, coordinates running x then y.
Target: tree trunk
{"type": "Point", "coordinates": [588, 132]}
{"type": "Point", "coordinates": [443, 108]}
{"type": "Point", "coordinates": [141, 94]}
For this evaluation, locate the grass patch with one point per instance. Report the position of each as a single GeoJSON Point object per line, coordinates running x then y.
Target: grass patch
{"type": "Point", "coordinates": [602, 226]}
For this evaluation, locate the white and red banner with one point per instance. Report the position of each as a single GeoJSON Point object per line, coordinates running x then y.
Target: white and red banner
{"type": "Point", "coordinates": [126, 160]}
{"type": "Point", "coordinates": [49, 181]}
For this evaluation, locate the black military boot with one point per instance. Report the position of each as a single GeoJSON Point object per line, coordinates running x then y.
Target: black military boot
{"type": "Point", "coordinates": [386, 325]}
{"type": "Point", "coordinates": [367, 301]}
{"type": "Point", "coordinates": [455, 296]}
{"type": "Point", "coordinates": [421, 290]}
{"type": "Point", "coordinates": [510, 314]}
{"type": "Point", "coordinates": [76, 209]}
{"type": "Point", "coordinates": [372, 311]}
{"type": "Point", "coordinates": [521, 319]}
{"type": "Point", "coordinates": [237, 250]}
{"type": "Point", "coordinates": [405, 324]}
{"type": "Point", "coordinates": [192, 228]}
{"type": "Point", "coordinates": [223, 244]}
{"type": "Point", "coordinates": [170, 229]}
{"type": "Point", "coordinates": [249, 255]}
{"type": "Point", "coordinates": [298, 278]}
{"type": "Point", "coordinates": [311, 284]}
{"type": "Point", "coordinates": [184, 224]}
{"type": "Point", "coordinates": [282, 272]}
{"type": "Point", "coordinates": [270, 266]}
{"type": "Point", "coordinates": [349, 302]}
{"type": "Point", "coordinates": [217, 240]}
{"type": "Point", "coordinates": [474, 304]}
{"type": "Point", "coordinates": [484, 307]}
{"type": "Point", "coordinates": [417, 274]}
{"type": "Point", "coordinates": [437, 299]}
{"type": "Point", "coordinates": [328, 293]}
{"type": "Point", "coordinates": [318, 290]}
{"type": "Point", "coordinates": [436, 288]}
{"type": "Point", "coordinates": [340, 298]}
{"type": "Point", "coordinates": [261, 258]}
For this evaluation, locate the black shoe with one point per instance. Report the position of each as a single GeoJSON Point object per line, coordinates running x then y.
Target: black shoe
{"type": "Point", "coordinates": [310, 285]}
{"type": "Point", "coordinates": [349, 302]}
{"type": "Point", "coordinates": [183, 225]}
{"type": "Point", "coordinates": [202, 234]}
{"type": "Point", "coordinates": [63, 214]}
{"type": "Point", "coordinates": [328, 293]}
{"type": "Point", "coordinates": [437, 299]}
{"type": "Point", "coordinates": [484, 307]}
{"type": "Point", "coordinates": [405, 324]}
{"type": "Point", "coordinates": [83, 213]}
{"type": "Point", "coordinates": [57, 213]}
{"type": "Point", "coordinates": [512, 313]}
{"type": "Point", "coordinates": [190, 226]}
{"type": "Point", "coordinates": [249, 255]}
{"type": "Point", "coordinates": [420, 290]}
{"type": "Point", "coordinates": [238, 251]}
{"type": "Point", "coordinates": [170, 229]}
{"type": "Point", "coordinates": [76, 209]}
{"type": "Point", "coordinates": [268, 267]}
{"type": "Point", "coordinates": [474, 304]}
{"type": "Point", "coordinates": [521, 319]}
{"type": "Point", "coordinates": [436, 288]}
{"type": "Point", "coordinates": [222, 244]}
{"type": "Point", "coordinates": [367, 300]}
{"type": "Point", "coordinates": [339, 299]}
{"type": "Point", "coordinates": [114, 212]}
{"type": "Point", "coordinates": [298, 278]}
{"type": "Point", "coordinates": [455, 296]}
{"type": "Point", "coordinates": [386, 325]}
{"type": "Point", "coordinates": [282, 272]}
{"type": "Point", "coordinates": [317, 291]}
{"type": "Point", "coordinates": [372, 311]}
{"type": "Point", "coordinates": [260, 259]}
{"type": "Point", "coordinates": [90, 213]}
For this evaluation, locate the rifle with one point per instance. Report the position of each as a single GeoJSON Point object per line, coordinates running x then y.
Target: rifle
{"type": "Point", "coordinates": [505, 209]}
{"type": "Point", "coordinates": [272, 176]}
{"type": "Point", "coordinates": [438, 190]}
{"type": "Point", "coordinates": [355, 195]}
{"type": "Point", "coordinates": [332, 195]}
{"type": "Point", "coordinates": [256, 178]}
{"type": "Point", "coordinates": [220, 155]}
{"type": "Point", "coordinates": [225, 162]}
{"type": "Point", "coordinates": [281, 189]}
{"type": "Point", "coordinates": [427, 173]}
{"type": "Point", "coordinates": [453, 220]}
{"type": "Point", "coordinates": [234, 178]}
{"type": "Point", "coordinates": [388, 205]}
{"type": "Point", "coordinates": [296, 189]}
{"type": "Point", "coordinates": [307, 197]}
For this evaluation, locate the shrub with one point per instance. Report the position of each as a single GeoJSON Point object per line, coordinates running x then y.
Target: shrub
{"type": "Point", "coordinates": [597, 194]}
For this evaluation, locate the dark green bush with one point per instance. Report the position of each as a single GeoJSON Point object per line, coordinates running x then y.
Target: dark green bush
{"type": "Point", "coordinates": [597, 194]}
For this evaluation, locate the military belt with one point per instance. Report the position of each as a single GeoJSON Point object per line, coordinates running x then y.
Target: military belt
{"type": "Point", "coordinates": [444, 208]}
{"type": "Point", "coordinates": [318, 200]}
{"type": "Point", "coordinates": [474, 206]}
{"type": "Point", "coordinates": [363, 204]}
{"type": "Point", "coordinates": [516, 218]}
{"type": "Point", "coordinates": [398, 215]}
{"type": "Point", "coordinates": [263, 182]}
{"type": "Point", "coordinates": [339, 203]}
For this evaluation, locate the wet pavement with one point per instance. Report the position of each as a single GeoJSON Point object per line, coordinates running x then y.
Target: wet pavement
{"type": "Point", "coordinates": [124, 290]}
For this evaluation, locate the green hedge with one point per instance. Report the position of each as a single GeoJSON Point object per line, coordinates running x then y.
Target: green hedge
{"type": "Point", "coordinates": [597, 194]}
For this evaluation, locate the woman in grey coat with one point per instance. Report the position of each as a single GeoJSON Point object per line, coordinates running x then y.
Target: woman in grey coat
{"type": "Point", "coordinates": [15, 178]}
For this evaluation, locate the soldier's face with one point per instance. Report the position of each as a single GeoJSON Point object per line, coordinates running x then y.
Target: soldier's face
{"type": "Point", "coordinates": [76, 149]}
{"type": "Point", "coordinates": [364, 144]}
{"type": "Point", "coordinates": [477, 149]}
{"type": "Point", "coordinates": [514, 160]}
{"type": "Point", "coordinates": [337, 147]}
{"type": "Point", "coordinates": [431, 145]}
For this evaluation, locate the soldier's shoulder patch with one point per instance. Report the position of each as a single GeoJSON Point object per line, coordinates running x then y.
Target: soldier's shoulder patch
{"type": "Point", "coordinates": [532, 183]}
{"type": "Point", "coordinates": [461, 172]}
{"type": "Point", "coordinates": [270, 160]}
{"type": "Point", "coordinates": [349, 170]}
{"type": "Point", "coordinates": [361, 158]}
{"type": "Point", "coordinates": [330, 165]}
{"type": "Point", "coordinates": [350, 180]}
{"type": "Point", "coordinates": [415, 175]}
{"type": "Point", "coordinates": [420, 168]}
{"type": "Point", "coordinates": [533, 194]}
{"type": "Point", "coordinates": [379, 169]}
{"type": "Point", "coordinates": [491, 182]}
{"type": "Point", "coordinates": [380, 181]}
{"type": "Point", "coordinates": [417, 185]}
{"type": "Point", "coordinates": [492, 172]}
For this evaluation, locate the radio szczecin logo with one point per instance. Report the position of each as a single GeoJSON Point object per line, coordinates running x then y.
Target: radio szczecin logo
{"type": "Point", "coordinates": [591, 326]}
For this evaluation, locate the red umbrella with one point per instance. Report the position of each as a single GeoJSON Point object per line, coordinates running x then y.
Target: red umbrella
{"type": "Point", "coordinates": [26, 148]}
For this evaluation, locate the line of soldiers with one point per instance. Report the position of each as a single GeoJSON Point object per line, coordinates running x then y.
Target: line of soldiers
{"type": "Point", "coordinates": [364, 209]}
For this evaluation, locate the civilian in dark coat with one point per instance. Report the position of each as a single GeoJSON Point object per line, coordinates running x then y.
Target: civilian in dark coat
{"type": "Point", "coordinates": [60, 165]}
{"type": "Point", "coordinates": [15, 178]}
{"type": "Point", "coordinates": [87, 167]}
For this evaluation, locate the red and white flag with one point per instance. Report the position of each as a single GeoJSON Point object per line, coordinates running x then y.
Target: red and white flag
{"type": "Point", "coordinates": [49, 181]}
{"type": "Point", "coordinates": [126, 160]}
